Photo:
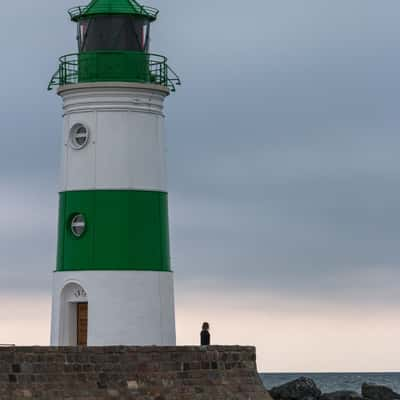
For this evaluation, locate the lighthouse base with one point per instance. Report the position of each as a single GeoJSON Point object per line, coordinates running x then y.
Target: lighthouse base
{"type": "Point", "coordinates": [119, 308]}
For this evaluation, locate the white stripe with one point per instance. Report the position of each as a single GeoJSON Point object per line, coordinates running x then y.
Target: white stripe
{"type": "Point", "coordinates": [126, 149]}
{"type": "Point", "coordinates": [125, 307]}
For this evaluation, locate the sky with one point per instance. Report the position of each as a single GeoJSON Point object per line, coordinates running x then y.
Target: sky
{"type": "Point", "coordinates": [284, 175]}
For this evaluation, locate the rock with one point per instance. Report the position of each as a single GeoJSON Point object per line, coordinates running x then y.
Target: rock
{"type": "Point", "coordinates": [378, 392]}
{"type": "Point", "coordinates": [342, 395]}
{"type": "Point", "coordinates": [299, 389]}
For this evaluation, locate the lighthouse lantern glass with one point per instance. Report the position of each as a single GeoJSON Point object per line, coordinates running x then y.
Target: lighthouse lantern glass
{"type": "Point", "coordinates": [114, 32]}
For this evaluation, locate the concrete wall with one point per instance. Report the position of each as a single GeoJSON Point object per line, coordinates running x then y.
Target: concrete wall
{"type": "Point", "coordinates": [141, 373]}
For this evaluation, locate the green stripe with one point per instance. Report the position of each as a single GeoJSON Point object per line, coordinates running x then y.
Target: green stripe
{"type": "Point", "coordinates": [125, 230]}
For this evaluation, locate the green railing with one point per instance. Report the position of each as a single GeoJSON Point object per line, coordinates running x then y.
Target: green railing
{"type": "Point", "coordinates": [114, 66]}
{"type": "Point", "coordinates": [76, 12]}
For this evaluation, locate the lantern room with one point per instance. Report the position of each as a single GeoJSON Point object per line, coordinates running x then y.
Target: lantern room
{"type": "Point", "coordinates": [122, 25]}
{"type": "Point", "coordinates": [113, 32]}
{"type": "Point", "coordinates": [113, 46]}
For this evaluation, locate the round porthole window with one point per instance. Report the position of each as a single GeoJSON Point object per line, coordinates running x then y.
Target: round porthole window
{"type": "Point", "coordinates": [78, 225]}
{"type": "Point", "coordinates": [79, 136]}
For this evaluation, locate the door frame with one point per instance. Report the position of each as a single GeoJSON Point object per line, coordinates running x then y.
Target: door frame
{"type": "Point", "coordinates": [72, 294]}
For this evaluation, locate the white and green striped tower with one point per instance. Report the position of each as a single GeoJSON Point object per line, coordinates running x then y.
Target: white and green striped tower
{"type": "Point", "coordinates": [113, 284]}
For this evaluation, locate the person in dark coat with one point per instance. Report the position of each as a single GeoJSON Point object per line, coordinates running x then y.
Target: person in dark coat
{"type": "Point", "coordinates": [205, 337]}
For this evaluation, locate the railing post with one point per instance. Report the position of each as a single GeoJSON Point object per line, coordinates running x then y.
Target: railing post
{"type": "Point", "coordinates": [64, 72]}
{"type": "Point", "coordinates": [165, 78]}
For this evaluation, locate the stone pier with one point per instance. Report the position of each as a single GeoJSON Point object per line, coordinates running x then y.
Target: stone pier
{"type": "Point", "coordinates": [140, 373]}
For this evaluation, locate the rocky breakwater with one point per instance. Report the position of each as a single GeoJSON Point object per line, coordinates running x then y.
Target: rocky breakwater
{"type": "Point", "coordinates": [140, 373]}
{"type": "Point", "coordinates": [306, 389]}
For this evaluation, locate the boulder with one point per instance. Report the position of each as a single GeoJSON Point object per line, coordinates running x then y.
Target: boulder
{"type": "Point", "coordinates": [342, 395]}
{"type": "Point", "coordinates": [299, 389]}
{"type": "Point", "coordinates": [378, 392]}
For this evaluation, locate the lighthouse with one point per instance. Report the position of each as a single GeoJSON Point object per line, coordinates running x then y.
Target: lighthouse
{"type": "Point", "coordinates": [113, 283]}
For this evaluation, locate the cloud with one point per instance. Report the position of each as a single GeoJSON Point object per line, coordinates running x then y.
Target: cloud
{"type": "Point", "coordinates": [282, 157]}
{"type": "Point", "coordinates": [27, 236]}
{"type": "Point", "coordinates": [25, 319]}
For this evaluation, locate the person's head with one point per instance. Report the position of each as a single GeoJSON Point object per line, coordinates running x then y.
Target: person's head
{"type": "Point", "coordinates": [206, 326]}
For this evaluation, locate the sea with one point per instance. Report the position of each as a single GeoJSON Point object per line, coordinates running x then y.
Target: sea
{"type": "Point", "coordinates": [331, 382]}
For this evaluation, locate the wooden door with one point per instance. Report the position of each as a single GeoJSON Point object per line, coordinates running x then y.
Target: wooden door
{"type": "Point", "coordinates": [82, 323]}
